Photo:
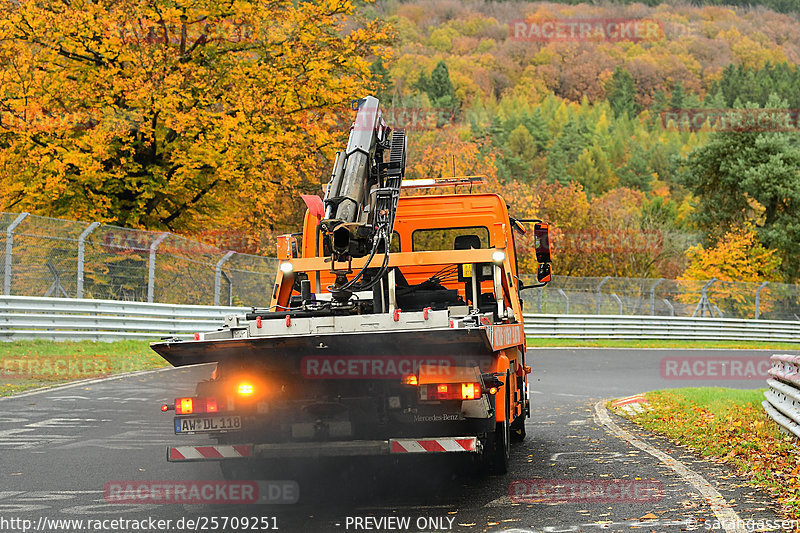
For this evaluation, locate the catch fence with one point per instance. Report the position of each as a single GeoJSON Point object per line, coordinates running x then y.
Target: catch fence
{"type": "Point", "coordinates": [51, 257]}
{"type": "Point", "coordinates": [45, 256]}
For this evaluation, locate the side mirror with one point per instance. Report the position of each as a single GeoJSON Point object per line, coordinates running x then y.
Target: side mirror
{"type": "Point", "coordinates": [541, 245]}
{"type": "Point", "coordinates": [541, 242]}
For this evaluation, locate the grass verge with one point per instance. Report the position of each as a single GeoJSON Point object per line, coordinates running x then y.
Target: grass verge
{"type": "Point", "coordinates": [37, 363]}
{"type": "Point", "coordinates": [658, 343]}
{"type": "Point", "coordinates": [729, 426]}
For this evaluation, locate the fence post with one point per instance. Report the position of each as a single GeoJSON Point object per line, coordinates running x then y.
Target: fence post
{"type": "Point", "coordinates": [230, 288]}
{"type": "Point", "coordinates": [599, 294]}
{"type": "Point", "coordinates": [653, 296]}
{"type": "Point", "coordinates": [9, 249]}
{"type": "Point", "coordinates": [151, 269]}
{"type": "Point", "coordinates": [218, 276]}
{"type": "Point", "coordinates": [566, 299]}
{"type": "Point", "coordinates": [758, 298]}
{"type": "Point", "coordinates": [81, 256]}
{"type": "Point", "coordinates": [671, 307]}
{"type": "Point", "coordinates": [614, 295]}
{"type": "Point", "coordinates": [704, 304]}
{"type": "Point", "coordinates": [539, 291]}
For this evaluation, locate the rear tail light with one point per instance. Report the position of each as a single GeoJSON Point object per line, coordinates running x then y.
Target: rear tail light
{"type": "Point", "coordinates": [184, 406]}
{"type": "Point", "coordinates": [450, 391]}
{"type": "Point", "coordinates": [188, 406]}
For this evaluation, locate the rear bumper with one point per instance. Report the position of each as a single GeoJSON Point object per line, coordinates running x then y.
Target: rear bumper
{"type": "Point", "coordinates": [313, 450]}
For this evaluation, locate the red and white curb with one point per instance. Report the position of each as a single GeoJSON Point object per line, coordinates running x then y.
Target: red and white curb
{"type": "Point", "coordinates": [448, 444]}
{"type": "Point", "coordinates": [632, 404]}
{"type": "Point", "coordinates": [203, 453]}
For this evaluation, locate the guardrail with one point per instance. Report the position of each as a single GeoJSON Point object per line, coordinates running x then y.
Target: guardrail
{"type": "Point", "coordinates": [662, 327]}
{"type": "Point", "coordinates": [782, 402]}
{"type": "Point", "coordinates": [23, 317]}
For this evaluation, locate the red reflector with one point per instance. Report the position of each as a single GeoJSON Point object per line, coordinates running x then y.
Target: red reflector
{"type": "Point", "coordinates": [165, 408]}
{"type": "Point", "coordinates": [197, 336]}
{"type": "Point", "coordinates": [211, 405]}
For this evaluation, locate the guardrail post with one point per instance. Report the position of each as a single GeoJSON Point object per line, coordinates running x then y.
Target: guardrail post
{"type": "Point", "coordinates": [9, 249]}
{"type": "Point", "coordinates": [151, 269]}
{"type": "Point", "coordinates": [653, 296]}
{"type": "Point", "coordinates": [758, 298]}
{"type": "Point", "coordinates": [599, 294]}
{"type": "Point", "coordinates": [218, 277]}
{"type": "Point", "coordinates": [566, 299]}
{"type": "Point", "coordinates": [81, 256]}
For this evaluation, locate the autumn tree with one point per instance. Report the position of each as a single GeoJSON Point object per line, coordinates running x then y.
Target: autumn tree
{"type": "Point", "coordinates": [737, 257]}
{"type": "Point", "coordinates": [747, 175]}
{"type": "Point", "coordinates": [157, 114]}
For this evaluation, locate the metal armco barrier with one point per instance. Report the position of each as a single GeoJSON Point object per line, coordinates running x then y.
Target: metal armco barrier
{"type": "Point", "coordinates": [23, 317]}
{"type": "Point", "coordinates": [662, 327]}
{"type": "Point", "coordinates": [783, 397]}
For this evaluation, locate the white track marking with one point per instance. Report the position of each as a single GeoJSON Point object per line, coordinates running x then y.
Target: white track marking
{"type": "Point", "coordinates": [727, 517]}
{"type": "Point", "coordinates": [89, 382]}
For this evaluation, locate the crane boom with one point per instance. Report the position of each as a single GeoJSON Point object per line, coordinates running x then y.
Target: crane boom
{"type": "Point", "coordinates": [362, 194]}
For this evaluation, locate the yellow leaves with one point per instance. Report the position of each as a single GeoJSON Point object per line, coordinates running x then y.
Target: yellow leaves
{"type": "Point", "coordinates": [738, 256]}
{"type": "Point", "coordinates": [155, 113]}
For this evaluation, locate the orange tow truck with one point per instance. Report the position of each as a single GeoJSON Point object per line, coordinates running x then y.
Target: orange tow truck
{"type": "Point", "coordinates": [394, 327]}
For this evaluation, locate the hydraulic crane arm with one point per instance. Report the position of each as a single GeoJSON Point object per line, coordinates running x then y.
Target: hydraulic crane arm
{"type": "Point", "coordinates": [361, 199]}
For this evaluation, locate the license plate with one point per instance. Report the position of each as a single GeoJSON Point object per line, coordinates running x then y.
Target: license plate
{"type": "Point", "coordinates": [207, 424]}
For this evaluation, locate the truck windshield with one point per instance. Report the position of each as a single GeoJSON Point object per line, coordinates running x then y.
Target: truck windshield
{"type": "Point", "coordinates": [434, 240]}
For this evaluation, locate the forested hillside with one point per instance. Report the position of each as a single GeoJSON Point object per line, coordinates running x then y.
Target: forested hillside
{"type": "Point", "coordinates": [591, 121]}
{"type": "Point", "coordinates": [206, 119]}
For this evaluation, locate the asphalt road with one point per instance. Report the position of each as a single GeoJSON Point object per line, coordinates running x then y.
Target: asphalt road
{"type": "Point", "coordinates": [59, 449]}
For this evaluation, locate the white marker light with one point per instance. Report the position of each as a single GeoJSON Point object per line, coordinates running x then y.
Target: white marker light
{"type": "Point", "coordinates": [287, 268]}
{"type": "Point", "coordinates": [498, 256]}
